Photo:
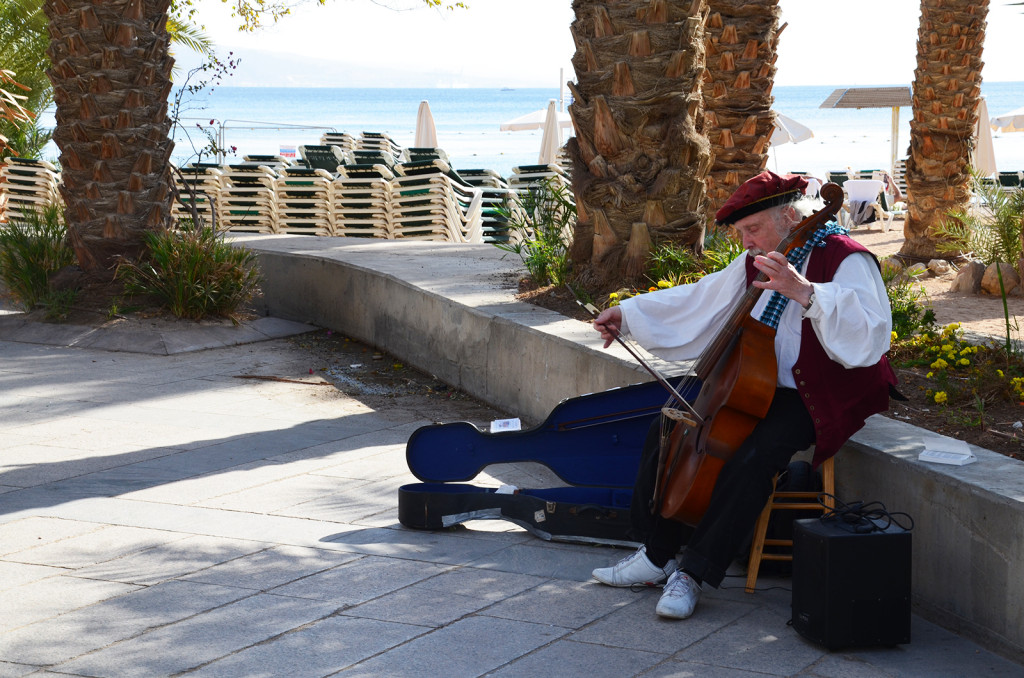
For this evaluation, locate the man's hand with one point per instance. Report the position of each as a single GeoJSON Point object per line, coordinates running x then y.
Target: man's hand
{"type": "Point", "coordinates": [608, 323]}
{"type": "Point", "coordinates": [783, 277]}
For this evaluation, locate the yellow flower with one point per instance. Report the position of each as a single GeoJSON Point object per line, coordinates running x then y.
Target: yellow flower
{"type": "Point", "coordinates": [953, 326]}
{"type": "Point", "coordinates": [651, 289]}
{"type": "Point", "coordinates": [664, 284]}
{"type": "Point", "coordinates": [929, 375]}
{"type": "Point", "coordinates": [967, 351]}
{"type": "Point", "coordinates": [939, 364]}
{"type": "Point", "coordinates": [940, 397]}
{"type": "Point", "coordinates": [613, 295]}
{"type": "Point", "coordinates": [947, 347]}
{"type": "Point", "coordinates": [963, 361]}
{"type": "Point", "coordinates": [894, 336]}
{"type": "Point", "coordinates": [1000, 373]}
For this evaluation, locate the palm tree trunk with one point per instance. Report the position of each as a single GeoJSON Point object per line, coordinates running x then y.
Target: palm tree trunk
{"type": "Point", "coordinates": [740, 43]}
{"type": "Point", "coordinates": [947, 84]}
{"type": "Point", "coordinates": [111, 78]}
{"type": "Point", "coordinates": [640, 154]}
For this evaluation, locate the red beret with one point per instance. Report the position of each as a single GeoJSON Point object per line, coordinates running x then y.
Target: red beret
{"type": "Point", "coordinates": [765, 190]}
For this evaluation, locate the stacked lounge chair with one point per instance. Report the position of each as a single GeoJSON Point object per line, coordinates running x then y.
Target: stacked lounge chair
{"type": "Point", "coordinates": [327, 157]}
{"type": "Point", "coordinates": [198, 184]}
{"type": "Point", "coordinates": [494, 192]}
{"type": "Point", "coordinates": [361, 200]}
{"type": "Point", "coordinates": [247, 201]}
{"type": "Point", "coordinates": [430, 202]}
{"type": "Point", "coordinates": [345, 141]}
{"type": "Point", "coordinates": [382, 144]}
{"type": "Point", "coordinates": [27, 187]}
{"type": "Point", "coordinates": [303, 199]}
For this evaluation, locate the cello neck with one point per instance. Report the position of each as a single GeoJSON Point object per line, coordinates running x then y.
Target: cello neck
{"type": "Point", "coordinates": [832, 194]}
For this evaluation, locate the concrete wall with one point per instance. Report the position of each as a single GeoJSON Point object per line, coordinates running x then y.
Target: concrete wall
{"type": "Point", "coordinates": [446, 311]}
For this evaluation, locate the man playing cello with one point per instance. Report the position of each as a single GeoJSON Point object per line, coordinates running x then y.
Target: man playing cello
{"type": "Point", "coordinates": [834, 326]}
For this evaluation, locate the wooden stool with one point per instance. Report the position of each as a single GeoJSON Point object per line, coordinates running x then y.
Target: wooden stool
{"type": "Point", "coordinates": [785, 501]}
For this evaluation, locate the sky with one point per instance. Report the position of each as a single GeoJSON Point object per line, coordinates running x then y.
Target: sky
{"type": "Point", "coordinates": [527, 43]}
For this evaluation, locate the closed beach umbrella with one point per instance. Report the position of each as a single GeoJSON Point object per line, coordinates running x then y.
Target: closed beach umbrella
{"type": "Point", "coordinates": [789, 131]}
{"type": "Point", "coordinates": [551, 139]}
{"type": "Point", "coordinates": [1010, 122]}
{"type": "Point", "coordinates": [983, 157]}
{"type": "Point", "coordinates": [426, 133]}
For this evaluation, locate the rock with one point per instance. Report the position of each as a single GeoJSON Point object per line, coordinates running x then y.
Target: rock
{"type": "Point", "coordinates": [939, 267]}
{"type": "Point", "coordinates": [890, 267]}
{"type": "Point", "coordinates": [990, 281]}
{"type": "Point", "coordinates": [968, 280]}
{"type": "Point", "coordinates": [916, 270]}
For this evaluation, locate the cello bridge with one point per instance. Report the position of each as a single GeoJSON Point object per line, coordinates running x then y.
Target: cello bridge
{"type": "Point", "coordinates": [679, 415]}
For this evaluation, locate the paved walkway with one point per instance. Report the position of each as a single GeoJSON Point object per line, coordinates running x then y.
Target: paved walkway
{"type": "Point", "coordinates": [159, 516]}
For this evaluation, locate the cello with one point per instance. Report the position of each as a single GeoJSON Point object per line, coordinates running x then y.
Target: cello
{"type": "Point", "coordinates": [738, 374]}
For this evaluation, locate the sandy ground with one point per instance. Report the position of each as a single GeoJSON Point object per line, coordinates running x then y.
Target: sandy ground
{"type": "Point", "coordinates": [981, 313]}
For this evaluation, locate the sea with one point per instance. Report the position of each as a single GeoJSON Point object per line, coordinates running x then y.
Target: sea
{"type": "Point", "coordinates": [269, 120]}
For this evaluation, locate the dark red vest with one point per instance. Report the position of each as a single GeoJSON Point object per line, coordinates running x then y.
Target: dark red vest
{"type": "Point", "coordinates": [838, 412]}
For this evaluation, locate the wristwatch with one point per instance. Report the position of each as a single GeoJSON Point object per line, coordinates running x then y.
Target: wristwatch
{"type": "Point", "coordinates": [810, 302]}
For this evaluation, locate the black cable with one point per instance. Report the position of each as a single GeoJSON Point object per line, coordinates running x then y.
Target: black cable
{"type": "Point", "coordinates": [861, 518]}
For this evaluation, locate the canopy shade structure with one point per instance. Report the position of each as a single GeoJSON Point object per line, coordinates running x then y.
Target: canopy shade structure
{"type": "Point", "coordinates": [789, 131]}
{"type": "Point", "coordinates": [426, 132]}
{"type": "Point", "coordinates": [874, 97]}
{"type": "Point", "coordinates": [536, 120]}
{"type": "Point", "coordinates": [1009, 122]}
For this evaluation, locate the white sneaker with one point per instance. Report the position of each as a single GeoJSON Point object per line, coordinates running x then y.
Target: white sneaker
{"type": "Point", "coordinates": [634, 569]}
{"type": "Point", "coordinates": [679, 597]}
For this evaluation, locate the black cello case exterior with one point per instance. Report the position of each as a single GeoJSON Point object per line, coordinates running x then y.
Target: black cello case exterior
{"type": "Point", "coordinates": [591, 442]}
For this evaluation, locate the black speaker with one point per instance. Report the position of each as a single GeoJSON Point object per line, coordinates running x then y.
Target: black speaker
{"type": "Point", "coordinates": [851, 582]}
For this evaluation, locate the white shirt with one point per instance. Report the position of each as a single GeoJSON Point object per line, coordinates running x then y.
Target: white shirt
{"type": "Point", "coordinates": [850, 315]}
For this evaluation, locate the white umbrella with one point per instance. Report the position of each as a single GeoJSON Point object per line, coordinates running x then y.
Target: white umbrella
{"type": "Point", "coordinates": [551, 139]}
{"type": "Point", "coordinates": [426, 133]}
{"type": "Point", "coordinates": [789, 131]}
{"type": "Point", "coordinates": [983, 157]}
{"type": "Point", "coordinates": [1010, 122]}
{"type": "Point", "coordinates": [536, 120]}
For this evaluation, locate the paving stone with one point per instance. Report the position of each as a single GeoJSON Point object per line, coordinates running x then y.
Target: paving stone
{"type": "Point", "coordinates": [469, 647]}
{"type": "Point", "coordinates": [758, 641]}
{"type": "Point", "coordinates": [568, 659]}
{"type": "Point", "coordinates": [16, 574]}
{"type": "Point", "coordinates": [445, 597]}
{"type": "Point", "coordinates": [11, 670]}
{"type": "Point", "coordinates": [170, 560]}
{"type": "Point", "coordinates": [34, 531]}
{"type": "Point", "coordinates": [46, 598]}
{"type": "Point", "coordinates": [544, 562]}
{"type": "Point", "coordinates": [98, 546]}
{"type": "Point", "coordinates": [320, 649]}
{"type": "Point", "coordinates": [272, 567]}
{"type": "Point", "coordinates": [419, 545]}
{"type": "Point", "coordinates": [360, 580]}
{"type": "Point", "coordinates": [562, 603]}
{"type": "Point", "coordinates": [75, 633]}
{"type": "Point", "coordinates": [207, 637]}
{"type": "Point", "coordinates": [651, 633]}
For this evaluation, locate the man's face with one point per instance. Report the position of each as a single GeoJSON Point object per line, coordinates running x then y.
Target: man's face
{"type": "Point", "coordinates": [761, 233]}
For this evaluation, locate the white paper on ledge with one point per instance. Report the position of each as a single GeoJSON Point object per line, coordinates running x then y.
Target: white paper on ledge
{"type": "Point", "coordinates": [943, 450]}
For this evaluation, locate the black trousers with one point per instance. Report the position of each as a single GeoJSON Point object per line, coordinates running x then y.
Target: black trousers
{"type": "Point", "coordinates": [744, 485]}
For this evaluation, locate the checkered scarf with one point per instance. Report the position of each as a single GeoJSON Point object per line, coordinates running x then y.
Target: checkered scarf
{"type": "Point", "coordinates": [777, 304]}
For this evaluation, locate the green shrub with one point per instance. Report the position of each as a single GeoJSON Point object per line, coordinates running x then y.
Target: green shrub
{"type": "Point", "coordinates": [908, 302]}
{"type": "Point", "coordinates": [193, 273]}
{"type": "Point", "coordinates": [31, 249]}
{"type": "Point", "coordinates": [541, 220]}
